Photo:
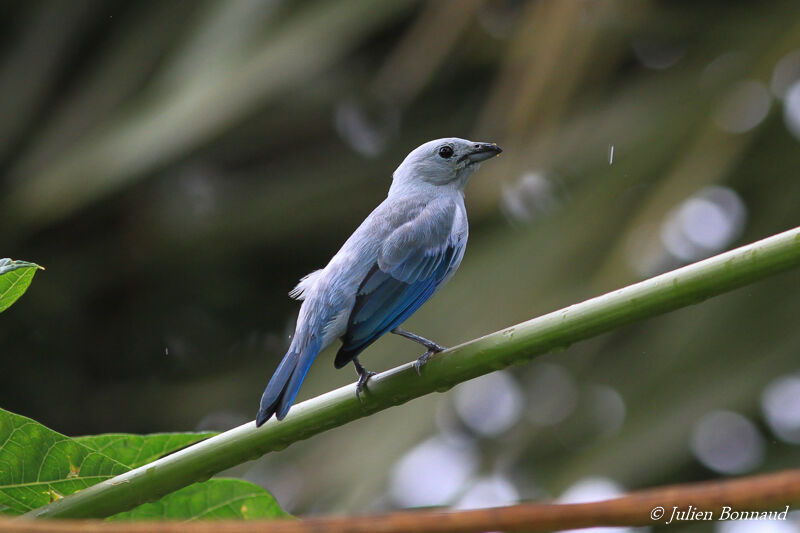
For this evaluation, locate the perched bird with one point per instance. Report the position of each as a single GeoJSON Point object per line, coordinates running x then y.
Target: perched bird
{"type": "Point", "coordinates": [402, 253]}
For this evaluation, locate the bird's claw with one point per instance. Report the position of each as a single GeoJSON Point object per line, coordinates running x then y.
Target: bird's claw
{"type": "Point", "coordinates": [420, 362]}
{"type": "Point", "coordinates": [362, 382]}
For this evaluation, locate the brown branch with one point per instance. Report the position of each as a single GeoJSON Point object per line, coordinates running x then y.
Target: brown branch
{"type": "Point", "coordinates": [766, 492]}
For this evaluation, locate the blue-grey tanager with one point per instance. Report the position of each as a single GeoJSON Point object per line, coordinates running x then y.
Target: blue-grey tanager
{"type": "Point", "coordinates": [402, 253]}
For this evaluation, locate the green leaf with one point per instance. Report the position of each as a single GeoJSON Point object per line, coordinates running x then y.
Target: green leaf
{"type": "Point", "coordinates": [15, 277]}
{"type": "Point", "coordinates": [137, 450]}
{"type": "Point", "coordinates": [39, 465]}
{"type": "Point", "coordinates": [212, 499]}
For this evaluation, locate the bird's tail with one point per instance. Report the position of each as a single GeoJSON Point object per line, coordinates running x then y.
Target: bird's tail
{"type": "Point", "coordinates": [285, 382]}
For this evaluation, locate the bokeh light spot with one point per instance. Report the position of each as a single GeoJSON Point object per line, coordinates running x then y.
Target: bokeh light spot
{"type": "Point", "coordinates": [727, 443]}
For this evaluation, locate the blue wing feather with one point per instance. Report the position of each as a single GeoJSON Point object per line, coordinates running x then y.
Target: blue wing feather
{"type": "Point", "coordinates": [385, 301]}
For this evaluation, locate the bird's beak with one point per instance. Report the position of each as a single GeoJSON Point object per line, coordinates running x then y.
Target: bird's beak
{"type": "Point", "coordinates": [481, 152]}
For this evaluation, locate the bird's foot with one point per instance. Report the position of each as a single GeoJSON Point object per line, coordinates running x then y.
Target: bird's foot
{"type": "Point", "coordinates": [363, 377]}
{"type": "Point", "coordinates": [362, 383]}
{"type": "Point", "coordinates": [420, 362]}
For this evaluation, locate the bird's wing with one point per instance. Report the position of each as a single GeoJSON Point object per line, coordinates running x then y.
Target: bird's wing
{"type": "Point", "coordinates": [412, 263]}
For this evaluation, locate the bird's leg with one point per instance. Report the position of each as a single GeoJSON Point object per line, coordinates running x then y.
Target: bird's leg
{"type": "Point", "coordinates": [363, 377]}
{"type": "Point", "coordinates": [429, 344]}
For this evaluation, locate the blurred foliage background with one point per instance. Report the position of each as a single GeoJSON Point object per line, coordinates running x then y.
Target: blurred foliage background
{"type": "Point", "coordinates": [178, 165]}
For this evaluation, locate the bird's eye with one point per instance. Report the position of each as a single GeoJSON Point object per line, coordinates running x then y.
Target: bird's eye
{"type": "Point", "coordinates": [446, 152]}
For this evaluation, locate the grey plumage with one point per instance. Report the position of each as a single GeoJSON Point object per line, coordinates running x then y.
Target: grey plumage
{"type": "Point", "coordinates": [402, 253]}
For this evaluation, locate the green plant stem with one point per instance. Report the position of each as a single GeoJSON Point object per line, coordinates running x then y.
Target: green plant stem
{"type": "Point", "coordinates": [516, 344]}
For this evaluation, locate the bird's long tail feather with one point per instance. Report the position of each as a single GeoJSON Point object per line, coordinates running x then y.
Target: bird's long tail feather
{"type": "Point", "coordinates": [285, 382]}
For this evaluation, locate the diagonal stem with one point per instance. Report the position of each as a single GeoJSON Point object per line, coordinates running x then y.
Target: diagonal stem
{"type": "Point", "coordinates": [516, 344]}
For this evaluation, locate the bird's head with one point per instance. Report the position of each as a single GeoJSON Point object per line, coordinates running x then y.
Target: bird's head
{"type": "Point", "coordinates": [448, 161]}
